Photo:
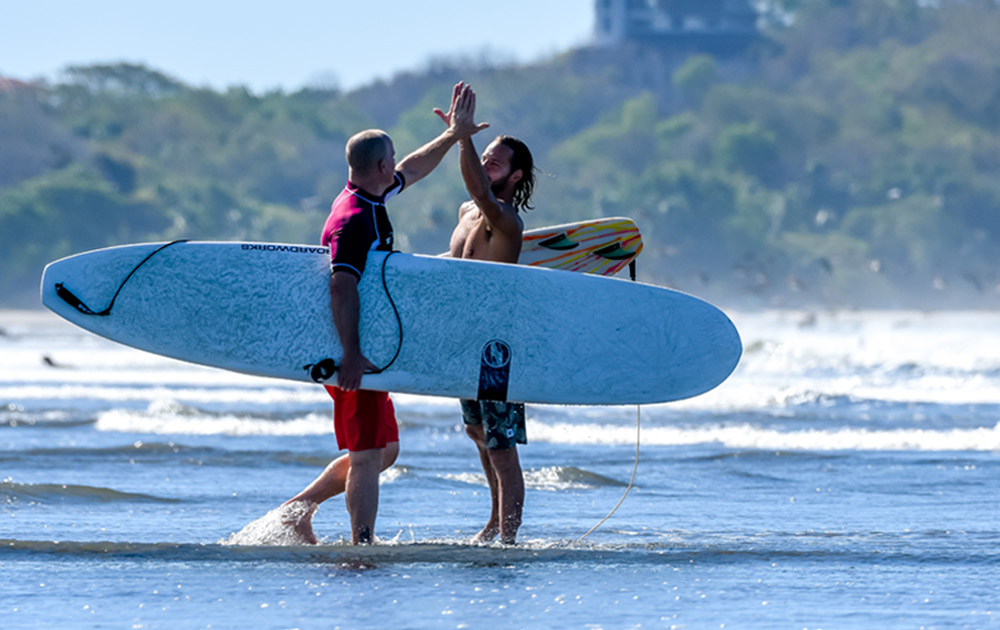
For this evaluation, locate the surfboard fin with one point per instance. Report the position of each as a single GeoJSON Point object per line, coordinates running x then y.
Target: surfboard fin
{"type": "Point", "coordinates": [559, 241]}
{"type": "Point", "coordinates": [613, 252]}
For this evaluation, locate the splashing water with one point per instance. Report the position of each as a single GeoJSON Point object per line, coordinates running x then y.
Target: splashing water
{"type": "Point", "coordinates": [286, 525]}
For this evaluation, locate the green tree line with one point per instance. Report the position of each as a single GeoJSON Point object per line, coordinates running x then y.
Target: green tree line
{"type": "Point", "coordinates": [847, 159]}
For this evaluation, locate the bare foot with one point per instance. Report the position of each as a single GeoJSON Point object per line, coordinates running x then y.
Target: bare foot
{"type": "Point", "coordinates": [488, 534]}
{"type": "Point", "coordinates": [298, 516]}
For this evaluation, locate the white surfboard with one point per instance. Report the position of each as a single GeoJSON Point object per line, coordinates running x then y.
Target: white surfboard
{"type": "Point", "coordinates": [438, 326]}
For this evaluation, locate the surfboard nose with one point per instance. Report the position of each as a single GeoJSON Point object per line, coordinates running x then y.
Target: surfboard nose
{"type": "Point", "coordinates": [70, 293]}
{"type": "Point", "coordinates": [53, 277]}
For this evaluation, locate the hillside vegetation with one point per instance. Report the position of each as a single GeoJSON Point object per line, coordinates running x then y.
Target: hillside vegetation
{"type": "Point", "coordinates": [849, 159]}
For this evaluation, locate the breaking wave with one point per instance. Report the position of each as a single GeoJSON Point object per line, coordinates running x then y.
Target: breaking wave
{"type": "Point", "coordinates": [747, 436]}
{"type": "Point", "coordinates": [548, 478]}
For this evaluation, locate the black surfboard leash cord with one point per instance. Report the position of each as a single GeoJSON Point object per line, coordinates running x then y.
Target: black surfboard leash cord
{"type": "Point", "coordinates": [70, 298]}
{"type": "Point", "coordinates": [395, 311]}
{"type": "Point", "coordinates": [324, 370]}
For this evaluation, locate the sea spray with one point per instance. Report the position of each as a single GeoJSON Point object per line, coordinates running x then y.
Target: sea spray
{"type": "Point", "coordinates": [288, 525]}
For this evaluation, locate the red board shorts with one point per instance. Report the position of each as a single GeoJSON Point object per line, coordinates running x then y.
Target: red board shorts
{"type": "Point", "coordinates": [363, 420]}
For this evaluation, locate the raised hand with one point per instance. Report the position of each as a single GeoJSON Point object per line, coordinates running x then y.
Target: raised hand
{"type": "Point", "coordinates": [463, 112]}
{"type": "Point", "coordinates": [451, 110]}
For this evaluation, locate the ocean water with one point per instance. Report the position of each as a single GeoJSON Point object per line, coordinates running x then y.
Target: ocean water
{"type": "Point", "coordinates": [846, 476]}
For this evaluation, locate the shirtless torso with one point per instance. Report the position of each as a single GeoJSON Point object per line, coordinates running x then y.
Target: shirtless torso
{"type": "Point", "coordinates": [475, 238]}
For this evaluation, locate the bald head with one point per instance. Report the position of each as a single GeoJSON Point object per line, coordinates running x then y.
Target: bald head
{"type": "Point", "coordinates": [365, 149]}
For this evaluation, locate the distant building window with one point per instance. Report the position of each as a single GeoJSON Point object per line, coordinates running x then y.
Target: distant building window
{"type": "Point", "coordinates": [726, 23]}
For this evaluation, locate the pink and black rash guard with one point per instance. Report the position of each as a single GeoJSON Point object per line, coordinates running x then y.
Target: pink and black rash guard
{"type": "Point", "coordinates": [358, 223]}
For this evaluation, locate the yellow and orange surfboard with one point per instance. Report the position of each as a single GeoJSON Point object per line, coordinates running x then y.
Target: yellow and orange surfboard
{"type": "Point", "coordinates": [599, 246]}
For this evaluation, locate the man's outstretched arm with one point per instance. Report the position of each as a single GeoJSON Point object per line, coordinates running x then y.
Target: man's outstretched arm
{"type": "Point", "coordinates": [500, 215]}
{"type": "Point", "coordinates": [421, 162]}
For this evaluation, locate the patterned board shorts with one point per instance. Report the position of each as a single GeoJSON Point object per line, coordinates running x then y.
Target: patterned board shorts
{"type": "Point", "coordinates": [502, 422]}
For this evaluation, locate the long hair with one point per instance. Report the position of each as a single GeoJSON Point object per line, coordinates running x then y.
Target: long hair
{"type": "Point", "coordinates": [521, 159]}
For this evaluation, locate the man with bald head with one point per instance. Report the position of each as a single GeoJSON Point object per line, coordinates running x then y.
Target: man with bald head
{"type": "Point", "coordinates": [364, 420]}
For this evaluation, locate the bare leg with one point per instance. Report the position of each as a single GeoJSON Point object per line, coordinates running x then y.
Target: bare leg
{"type": "Point", "coordinates": [492, 528]}
{"type": "Point", "coordinates": [362, 493]}
{"type": "Point", "coordinates": [331, 482]}
{"type": "Point", "coordinates": [510, 480]}
{"type": "Point", "coordinates": [506, 481]}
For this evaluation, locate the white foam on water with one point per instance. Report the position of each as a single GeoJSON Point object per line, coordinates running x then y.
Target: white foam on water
{"type": "Point", "coordinates": [746, 391]}
{"type": "Point", "coordinates": [171, 417]}
{"type": "Point", "coordinates": [746, 436]}
{"type": "Point", "coordinates": [475, 479]}
{"type": "Point", "coordinates": [284, 525]}
{"type": "Point", "coordinates": [552, 478]}
{"type": "Point", "coordinates": [393, 474]}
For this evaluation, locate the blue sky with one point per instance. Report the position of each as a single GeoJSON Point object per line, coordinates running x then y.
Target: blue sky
{"type": "Point", "coordinates": [286, 44]}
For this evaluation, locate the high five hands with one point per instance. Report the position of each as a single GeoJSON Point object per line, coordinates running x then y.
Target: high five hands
{"type": "Point", "coordinates": [461, 115]}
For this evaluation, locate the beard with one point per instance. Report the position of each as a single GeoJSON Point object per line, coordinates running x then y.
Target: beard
{"type": "Point", "coordinates": [500, 185]}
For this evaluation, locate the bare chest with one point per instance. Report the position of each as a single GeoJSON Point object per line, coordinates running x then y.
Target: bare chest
{"type": "Point", "coordinates": [475, 238]}
{"type": "Point", "coordinates": [471, 235]}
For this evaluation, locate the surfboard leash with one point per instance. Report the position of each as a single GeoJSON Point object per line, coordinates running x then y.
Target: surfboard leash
{"type": "Point", "coordinates": [635, 467]}
{"type": "Point", "coordinates": [399, 320]}
{"type": "Point", "coordinates": [628, 488]}
{"type": "Point", "coordinates": [324, 370]}
{"type": "Point", "coordinates": [70, 298]}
